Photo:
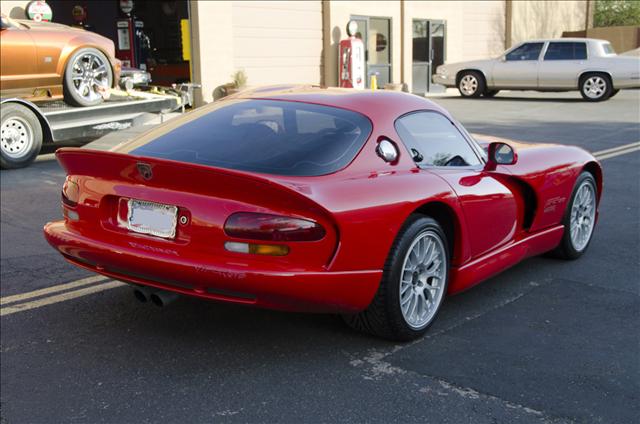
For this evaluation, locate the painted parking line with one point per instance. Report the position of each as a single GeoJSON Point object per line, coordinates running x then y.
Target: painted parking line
{"type": "Point", "coordinates": [617, 153]}
{"type": "Point", "coordinates": [52, 289]}
{"type": "Point", "coordinates": [45, 157]}
{"type": "Point", "coordinates": [38, 303]}
{"type": "Point", "coordinates": [617, 148]}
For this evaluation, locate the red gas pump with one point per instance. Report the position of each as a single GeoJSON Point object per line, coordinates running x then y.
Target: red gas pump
{"type": "Point", "coordinates": [131, 46]}
{"type": "Point", "coordinates": [352, 59]}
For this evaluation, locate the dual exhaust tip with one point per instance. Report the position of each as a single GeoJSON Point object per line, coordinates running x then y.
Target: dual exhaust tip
{"type": "Point", "coordinates": [160, 298]}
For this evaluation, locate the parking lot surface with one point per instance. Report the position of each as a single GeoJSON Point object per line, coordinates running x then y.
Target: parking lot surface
{"type": "Point", "coordinates": [546, 341]}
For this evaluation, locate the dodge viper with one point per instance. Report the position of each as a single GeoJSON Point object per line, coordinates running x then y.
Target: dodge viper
{"type": "Point", "coordinates": [42, 60]}
{"type": "Point", "coordinates": [373, 205]}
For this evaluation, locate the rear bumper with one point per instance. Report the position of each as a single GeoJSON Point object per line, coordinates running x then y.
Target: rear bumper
{"type": "Point", "coordinates": [335, 292]}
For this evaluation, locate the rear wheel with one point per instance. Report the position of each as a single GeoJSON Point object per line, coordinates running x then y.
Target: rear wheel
{"type": "Point", "coordinates": [20, 136]}
{"type": "Point", "coordinates": [595, 87]}
{"type": "Point", "coordinates": [579, 218]}
{"type": "Point", "coordinates": [614, 92]}
{"type": "Point", "coordinates": [87, 76]}
{"type": "Point", "coordinates": [413, 284]}
{"type": "Point", "coordinates": [471, 84]}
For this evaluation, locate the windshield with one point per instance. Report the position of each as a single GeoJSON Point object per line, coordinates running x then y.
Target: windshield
{"type": "Point", "coordinates": [266, 136]}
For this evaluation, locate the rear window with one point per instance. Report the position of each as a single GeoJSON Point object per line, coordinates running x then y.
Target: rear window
{"type": "Point", "coordinates": [608, 49]}
{"type": "Point", "coordinates": [566, 51]}
{"type": "Point", "coordinates": [266, 136]}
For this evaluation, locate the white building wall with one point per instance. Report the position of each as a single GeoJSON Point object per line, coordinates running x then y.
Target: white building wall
{"type": "Point", "coordinates": [278, 42]}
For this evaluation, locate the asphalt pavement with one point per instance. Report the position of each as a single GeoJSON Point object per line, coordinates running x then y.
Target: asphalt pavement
{"type": "Point", "coordinates": [547, 341]}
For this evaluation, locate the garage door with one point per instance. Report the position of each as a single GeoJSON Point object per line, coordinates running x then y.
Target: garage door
{"type": "Point", "coordinates": [278, 42]}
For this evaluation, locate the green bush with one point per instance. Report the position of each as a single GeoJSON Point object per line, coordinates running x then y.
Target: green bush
{"type": "Point", "coordinates": [616, 13]}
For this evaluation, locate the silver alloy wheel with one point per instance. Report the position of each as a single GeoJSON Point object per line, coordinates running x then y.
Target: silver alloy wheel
{"type": "Point", "coordinates": [469, 84]}
{"type": "Point", "coordinates": [89, 76]}
{"type": "Point", "coordinates": [594, 87]}
{"type": "Point", "coordinates": [16, 137]}
{"type": "Point", "coordinates": [422, 283]}
{"type": "Point", "coordinates": [583, 212]}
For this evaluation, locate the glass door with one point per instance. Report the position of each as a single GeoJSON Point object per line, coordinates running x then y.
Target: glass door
{"type": "Point", "coordinates": [428, 53]}
{"type": "Point", "coordinates": [375, 34]}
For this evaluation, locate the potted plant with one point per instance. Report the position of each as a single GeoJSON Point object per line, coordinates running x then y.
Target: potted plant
{"type": "Point", "coordinates": [239, 82]}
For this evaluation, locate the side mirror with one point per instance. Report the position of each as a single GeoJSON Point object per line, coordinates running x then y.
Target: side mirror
{"type": "Point", "coordinates": [500, 154]}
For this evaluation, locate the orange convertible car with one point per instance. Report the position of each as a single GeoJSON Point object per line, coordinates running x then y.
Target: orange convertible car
{"type": "Point", "coordinates": [44, 60]}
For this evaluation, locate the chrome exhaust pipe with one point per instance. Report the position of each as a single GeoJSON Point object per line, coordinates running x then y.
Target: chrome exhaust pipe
{"type": "Point", "coordinates": [162, 298]}
{"type": "Point", "coordinates": [142, 294]}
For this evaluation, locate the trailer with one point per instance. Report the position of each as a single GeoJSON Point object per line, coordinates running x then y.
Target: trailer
{"type": "Point", "coordinates": [26, 126]}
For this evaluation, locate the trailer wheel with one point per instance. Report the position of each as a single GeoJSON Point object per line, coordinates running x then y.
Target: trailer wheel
{"type": "Point", "coordinates": [21, 136]}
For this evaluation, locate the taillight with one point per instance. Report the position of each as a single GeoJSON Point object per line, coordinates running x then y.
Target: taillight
{"type": "Point", "coordinates": [70, 193]}
{"type": "Point", "coordinates": [260, 226]}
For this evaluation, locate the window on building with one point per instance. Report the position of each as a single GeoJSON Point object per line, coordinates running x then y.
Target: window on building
{"type": "Point", "coordinates": [436, 139]}
{"type": "Point", "coordinates": [566, 51]}
{"type": "Point", "coordinates": [527, 51]}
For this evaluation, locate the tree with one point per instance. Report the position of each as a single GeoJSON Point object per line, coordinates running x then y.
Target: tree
{"type": "Point", "coordinates": [616, 13]}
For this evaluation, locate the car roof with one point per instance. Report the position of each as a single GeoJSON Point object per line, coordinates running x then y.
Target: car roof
{"type": "Point", "coordinates": [568, 39]}
{"type": "Point", "coordinates": [367, 102]}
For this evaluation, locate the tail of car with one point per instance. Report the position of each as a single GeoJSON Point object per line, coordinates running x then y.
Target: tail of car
{"type": "Point", "coordinates": [219, 213]}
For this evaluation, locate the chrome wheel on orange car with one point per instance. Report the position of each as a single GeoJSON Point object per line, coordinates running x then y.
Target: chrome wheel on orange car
{"type": "Point", "coordinates": [88, 76]}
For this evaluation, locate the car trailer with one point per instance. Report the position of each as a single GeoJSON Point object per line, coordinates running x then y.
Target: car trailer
{"type": "Point", "coordinates": [26, 126]}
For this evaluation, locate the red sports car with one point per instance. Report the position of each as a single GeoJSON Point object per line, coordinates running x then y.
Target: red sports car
{"type": "Point", "coordinates": [373, 205]}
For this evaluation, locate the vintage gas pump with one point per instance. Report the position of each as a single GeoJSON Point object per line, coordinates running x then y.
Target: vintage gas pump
{"type": "Point", "coordinates": [351, 66]}
{"type": "Point", "coordinates": [133, 44]}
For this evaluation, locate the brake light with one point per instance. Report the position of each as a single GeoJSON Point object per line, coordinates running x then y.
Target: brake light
{"type": "Point", "coordinates": [260, 226]}
{"type": "Point", "coordinates": [70, 192]}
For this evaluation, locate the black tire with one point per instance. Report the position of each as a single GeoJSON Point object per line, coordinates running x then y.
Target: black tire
{"type": "Point", "coordinates": [490, 93]}
{"type": "Point", "coordinates": [475, 79]}
{"type": "Point", "coordinates": [383, 317]}
{"type": "Point", "coordinates": [71, 95]}
{"type": "Point", "coordinates": [603, 89]}
{"type": "Point", "coordinates": [21, 136]}
{"type": "Point", "coordinates": [567, 248]}
{"type": "Point", "coordinates": [614, 92]}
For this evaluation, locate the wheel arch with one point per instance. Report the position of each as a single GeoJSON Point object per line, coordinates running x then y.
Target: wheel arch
{"type": "Point", "coordinates": [478, 70]}
{"type": "Point", "coordinates": [47, 134]}
{"type": "Point", "coordinates": [594, 71]}
{"type": "Point", "coordinates": [450, 222]}
{"type": "Point", "coordinates": [595, 169]}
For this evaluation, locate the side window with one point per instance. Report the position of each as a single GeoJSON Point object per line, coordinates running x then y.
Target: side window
{"type": "Point", "coordinates": [527, 51]}
{"type": "Point", "coordinates": [566, 51]}
{"type": "Point", "coordinates": [436, 139]}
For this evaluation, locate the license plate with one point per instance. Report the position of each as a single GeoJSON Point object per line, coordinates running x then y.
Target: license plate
{"type": "Point", "coordinates": [152, 218]}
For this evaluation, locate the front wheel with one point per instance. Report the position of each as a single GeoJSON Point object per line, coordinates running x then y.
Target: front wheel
{"type": "Point", "coordinates": [595, 87]}
{"type": "Point", "coordinates": [471, 84]}
{"type": "Point", "coordinates": [580, 218]}
{"type": "Point", "coordinates": [20, 136]}
{"type": "Point", "coordinates": [413, 284]}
